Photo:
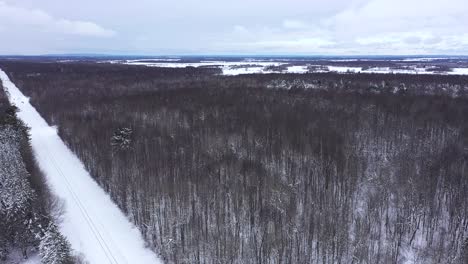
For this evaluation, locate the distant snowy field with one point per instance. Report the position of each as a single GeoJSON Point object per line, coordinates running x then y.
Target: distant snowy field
{"type": "Point", "coordinates": [255, 66]}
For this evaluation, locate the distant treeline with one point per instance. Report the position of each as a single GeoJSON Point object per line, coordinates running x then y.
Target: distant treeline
{"type": "Point", "coordinates": [314, 168]}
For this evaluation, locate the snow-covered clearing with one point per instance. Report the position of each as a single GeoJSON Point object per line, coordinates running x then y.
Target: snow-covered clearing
{"type": "Point", "coordinates": [262, 67]}
{"type": "Point", "coordinates": [297, 69]}
{"type": "Point", "coordinates": [92, 223]}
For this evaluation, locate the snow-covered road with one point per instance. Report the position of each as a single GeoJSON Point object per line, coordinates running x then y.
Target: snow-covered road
{"type": "Point", "coordinates": [92, 223]}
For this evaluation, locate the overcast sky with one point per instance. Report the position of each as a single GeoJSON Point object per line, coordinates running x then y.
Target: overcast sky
{"type": "Point", "coordinates": [308, 27]}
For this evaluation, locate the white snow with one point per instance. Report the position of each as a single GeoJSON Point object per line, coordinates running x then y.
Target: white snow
{"type": "Point", "coordinates": [422, 59]}
{"type": "Point", "coordinates": [16, 257]}
{"type": "Point", "coordinates": [32, 260]}
{"type": "Point", "coordinates": [230, 70]}
{"type": "Point", "coordinates": [155, 59]}
{"type": "Point", "coordinates": [344, 69]}
{"type": "Point", "coordinates": [298, 69]}
{"type": "Point", "coordinates": [251, 66]}
{"type": "Point", "coordinates": [202, 63]}
{"type": "Point", "coordinates": [92, 223]}
{"type": "Point", "coordinates": [459, 71]}
{"type": "Point", "coordinates": [386, 59]}
{"type": "Point", "coordinates": [243, 70]}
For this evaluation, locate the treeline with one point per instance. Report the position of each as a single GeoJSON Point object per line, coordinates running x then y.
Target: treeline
{"type": "Point", "coordinates": [102, 80]}
{"type": "Point", "coordinates": [26, 206]}
{"type": "Point", "coordinates": [316, 168]}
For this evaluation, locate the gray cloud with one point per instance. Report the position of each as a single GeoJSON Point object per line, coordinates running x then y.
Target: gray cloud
{"type": "Point", "coordinates": [242, 26]}
{"type": "Point", "coordinates": [14, 16]}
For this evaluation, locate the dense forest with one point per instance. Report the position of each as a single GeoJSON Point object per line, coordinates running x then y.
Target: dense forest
{"type": "Point", "coordinates": [28, 212]}
{"type": "Point", "coordinates": [312, 168]}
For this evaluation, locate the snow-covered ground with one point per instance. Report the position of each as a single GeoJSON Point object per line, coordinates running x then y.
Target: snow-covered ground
{"type": "Point", "coordinates": [32, 260]}
{"type": "Point", "coordinates": [459, 71]}
{"type": "Point", "coordinates": [344, 69]}
{"type": "Point", "coordinates": [228, 68]}
{"type": "Point", "coordinates": [251, 66]}
{"type": "Point", "coordinates": [297, 69]}
{"type": "Point", "coordinates": [92, 223]}
{"type": "Point", "coordinates": [16, 257]}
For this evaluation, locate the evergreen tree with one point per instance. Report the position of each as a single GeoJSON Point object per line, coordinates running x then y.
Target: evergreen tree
{"type": "Point", "coordinates": [24, 210]}
{"type": "Point", "coordinates": [122, 138]}
{"type": "Point", "coordinates": [54, 248]}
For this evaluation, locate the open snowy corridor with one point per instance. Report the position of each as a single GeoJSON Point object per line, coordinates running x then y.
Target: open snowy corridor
{"type": "Point", "coordinates": [92, 223]}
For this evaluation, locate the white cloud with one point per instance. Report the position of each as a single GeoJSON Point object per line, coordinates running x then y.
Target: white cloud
{"type": "Point", "coordinates": [372, 27]}
{"type": "Point", "coordinates": [19, 19]}
{"type": "Point", "coordinates": [302, 44]}
{"type": "Point", "coordinates": [378, 16]}
{"type": "Point", "coordinates": [242, 26]}
{"type": "Point", "coordinates": [238, 29]}
{"type": "Point", "coordinates": [270, 44]}
{"type": "Point", "coordinates": [83, 28]}
{"type": "Point", "coordinates": [293, 24]}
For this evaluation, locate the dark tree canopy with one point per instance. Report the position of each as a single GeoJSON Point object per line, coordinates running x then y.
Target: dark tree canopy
{"type": "Point", "coordinates": [315, 168]}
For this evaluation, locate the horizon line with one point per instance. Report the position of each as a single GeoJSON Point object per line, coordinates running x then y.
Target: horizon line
{"type": "Point", "coordinates": [231, 55]}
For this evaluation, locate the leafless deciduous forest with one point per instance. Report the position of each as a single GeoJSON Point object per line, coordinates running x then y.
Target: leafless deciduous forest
{"type": "Point", "coordinates": [314, 168]}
